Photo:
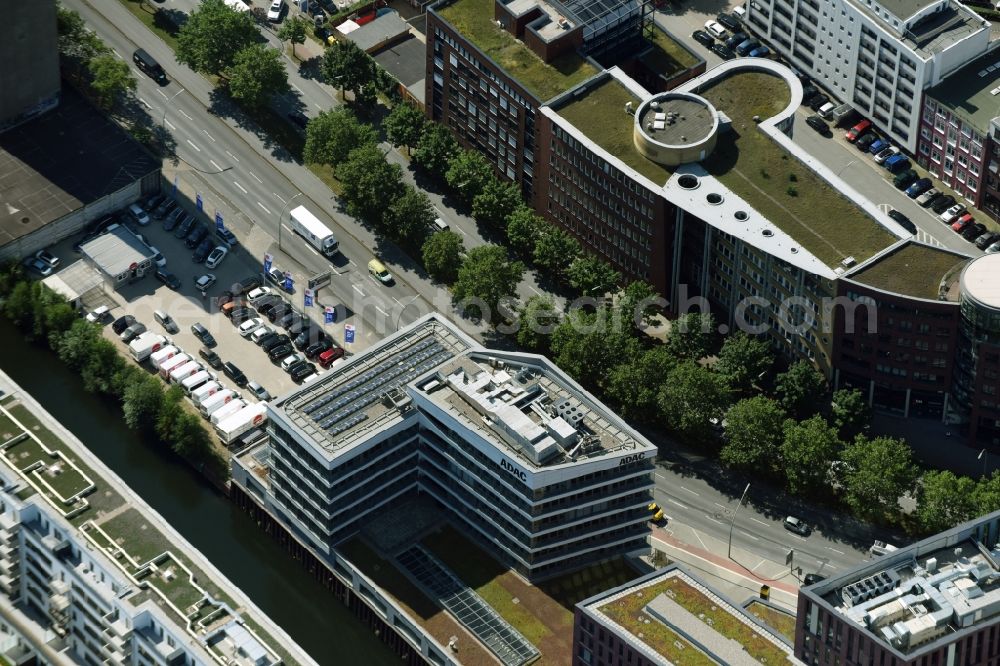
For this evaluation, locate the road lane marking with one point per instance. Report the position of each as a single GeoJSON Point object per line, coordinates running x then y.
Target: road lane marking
{"type": "Point", "coordinates": [688, 490]}
{"type": "Point", "coordinates": [208, 135]}
{"type": "Point", "coordinates": [169, 124]}
{"type": "Point", "coordinates": [233, 156]}
{"type": "Point", "coordinates": [714, 520]}
{"type": "Point", "coordinates": [193, 146]}
{"type": "Point", "coordinates": [382, 311]}
{"type": "Point", "coordinates": [255, 177]}
{"type": "Point", "coordinates": [148, 105]}
{"type": "Point", "coordinates": [264, 207]}
{"type": "Point", "coordinates": [671, 499]}
{"type": "Point", "coordinates": [278, 197]}
{"type": "Point", "coordinates": [698, 536]}
{"type": "Point", "coordinates": [798, 537]}
{"type": "Point", "coordinates": [660, 476]}
{"type": "Point", "coordinates": [719, 505]}
{"type": "Point", "coordinates": [318, 106]}
{"type": "Point", "coordinates": [242, 189]}
{"type": "Point", "coordinates": [357, 289]}
{"type": "Point", "coordinates": [212, 162]}
{"type": "Point", "coordinates": [762, 560]}
{"type": "Point", "coordinates": [162, 94]}
{"type": "Point", "coordinates": [459, 229]}
{"type": "Point", "coordinates": [533, 289]}
{"type": "Point", "coordinates": [747, 534]}
{"type": "Point", "coordinates": [183, 113]}
{"type": "Point", "coordinates": [758, 521]}
{"type": "Point", "coordinates": [836, 551]}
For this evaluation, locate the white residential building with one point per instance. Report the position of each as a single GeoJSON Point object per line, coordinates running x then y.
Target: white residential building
{"type": "Point", "coordinates": [877, 56]}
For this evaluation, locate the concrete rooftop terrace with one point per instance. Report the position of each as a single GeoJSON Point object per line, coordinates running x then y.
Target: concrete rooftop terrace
{"type": "Point", "coordinates": [914, 269]}
{"type": "Point", "coordinates": [474, 20]}
{"type": "Point", "coordinates": [969, 92]}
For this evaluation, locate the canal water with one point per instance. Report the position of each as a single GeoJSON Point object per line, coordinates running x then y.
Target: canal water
{"type": "Point", "coordinates": [249, 558]}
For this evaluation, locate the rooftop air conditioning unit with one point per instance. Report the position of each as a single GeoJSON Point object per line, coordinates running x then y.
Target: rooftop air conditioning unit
{"type": "Point", "coordinates": [848, 262]}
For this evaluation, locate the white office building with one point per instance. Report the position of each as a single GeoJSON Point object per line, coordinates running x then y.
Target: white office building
{"type": "Point", "coordinates": [878, 56]}
{"type": "Point", "coordinates": [505, 444]}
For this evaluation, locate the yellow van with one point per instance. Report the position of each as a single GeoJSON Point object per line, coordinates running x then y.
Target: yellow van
{"type": "Point", "coordinates": [378, 271]}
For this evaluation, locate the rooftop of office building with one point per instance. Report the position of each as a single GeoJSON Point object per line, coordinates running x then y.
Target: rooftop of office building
{"type": "Point", "coordinates": [933, 592]}
{"type": "Point", "coordinates": [773, 199]}
{"type": "Point", "coordinates": [672, 617]}
{"type": "Point", "coordinates": [973, 92]}
{"type": "Point", "coordinates": [916, 270]}
{"type": "Point", "coordinates": [943, 29]}
{"type": "Point", "coordinates": [520, 402]}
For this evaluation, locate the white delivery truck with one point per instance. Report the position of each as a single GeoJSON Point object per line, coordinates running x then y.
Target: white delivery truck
{"type": "Point", "coordinates": [234, 425]}
{"type": "Point", "coordinates": [144, 345]}
{"type": "Point", "coordinates": [212, 403]}
{"type": "Point", "coordinates": [180, 373]}
{"type": "Point", "coordinates": [169, 364]}
{"type": "Point", "coordinates": [318, 234]}
{"type": "Point", "coordinates": [161, 355]}
{"type": "Point", "coordinates": [204, 392]}
{"type": "Point", "coordinates": [196, 380]}
{"type": "Point", "coordinates": [230, 407]}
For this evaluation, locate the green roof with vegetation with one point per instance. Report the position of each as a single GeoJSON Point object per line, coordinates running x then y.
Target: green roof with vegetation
{"type": "Point", "coordinates": [628, 611]}
{"type": "Point", "coordinates": [667, 57]}
{"type": "Point", "coordinates": [786, 192]}
{"type": "Point", "coordinates": [781, 621]}
{"type": "Point", "coordinates": [914, 270]}
{"type": "Point", "coordinates": [600, 115]}
{"type": "Point", "coordinates": [474, 20]}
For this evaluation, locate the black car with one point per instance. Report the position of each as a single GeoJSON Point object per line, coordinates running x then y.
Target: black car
{"type": "Point", "coordinates": [305, 338]}
{"type": "Point", "coordinates": [201, 253]}
{"type": "Point", "coordinates": [265, 303]}
{"type": "Point", "coordinates": [812, 579]}
{"type": "Point", "coordinates": [202, 334]}
{"type": "Point", "coordinates": [302, 371]}
{"type": "Point", "coordinates": [927, 203]}
{"type": "Point", "coordinates": [703, 38]}
{"type": "Point", "coordinates": [122, 323]}
{"type": "Point", "coordinates": [736, 40]}
{"type": "Point", "coordinates": [246, 285]}
{"type": "Point", "coordinates": [818, 101]}
{"type": "Point", "coordinates": [943, 204]}
{"type": "Point", "coordinates": [240, 315]}
{"type": "Point", "coordinates": [903, 221]}
{"type": "Point", "coordinates": [185, 228]}
{"type": "Point", "coordinates": [153, 202]}
{"type": "Point", "coordinates": [172, 220]}
{"type": "Point", "coordinates": [165, 207]}
{"type": "Point", "coordinates": [728, 21]}
{"type": "Point", "coordinates": [234, 373]}
{"type": "Point", "coordinates": [808, 92]}
{"type": "Point", "coordinates": [317, 348]}
{"type": "Point", "coordinates": [866, 141]}
{"type": "Point", "coordinates": [266, 339]}
{"type": "Point", "coordinates": [288, 320]}
{"type": "Point", "coordinates": [276, 341]}
{"type": "Point", "coordinates": [278, 311]}
{"type": "Point", "coordinates": [168, 279]}
{"type": "Point", "coordinates": [196, 235]}
{"type": "Point", "coordinates": [279, 352]}
{"type": "Point", "coordinates": [721, 51]}
{"type": "Point", "coordinates": [986, 240]}
{"type": "Point", "coordinates": [974, 231]}
{"type": "Point", "coordinates": [818, 124]}
{"type": "Point", "coordinates": [298, 364]}
{"type": "Point", "coordinates": [210, 357]}
{"type": "Point", "coordinates": [298, 119]}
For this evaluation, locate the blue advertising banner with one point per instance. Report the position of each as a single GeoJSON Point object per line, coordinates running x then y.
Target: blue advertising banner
{"type": "Point", "coordinates": [218, 221]}
{"type": "Point", "coordinates": [288, 281]}
{"type": "Point", "coordinates": [307, 297]}
{"type": "Point", "coordinates": [268, 258]}
{"type": "Point", "coordinates": [349, 333]}
{"type": "Point", "coordinates": [328, 315]}
{"type": "Point", "coordinates": [175, 185]}
{"type": "Point", "coordinates": [199, 204]}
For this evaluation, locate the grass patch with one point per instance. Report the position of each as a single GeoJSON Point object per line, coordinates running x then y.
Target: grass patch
{"type": "Point", "coordinates": [667, 56]}
{"type": "Point", "coordinates": [915, 270]}
{"type": "Point", "coordinates": [758, 170]}
{"type": "Point", "coordinates": [154, 19]}
{"type": "Point", "coordinates": [132, 532]}
{"type": "Point", "coordinates": [325, 173]}
{"type": "Point", "coordinates": [600, 114]}
{"type": "Point", "coordinates": [474, 19]}
{"type": "Point", "coordinates": [8, 429]}
{"type": "Point", "coordinates": [178, 589]}
{"type": "Point", "coordinates": [779, 620]}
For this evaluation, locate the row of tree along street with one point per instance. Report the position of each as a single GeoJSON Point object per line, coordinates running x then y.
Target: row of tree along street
{"type": "Point", "coordinates": [161, 415]}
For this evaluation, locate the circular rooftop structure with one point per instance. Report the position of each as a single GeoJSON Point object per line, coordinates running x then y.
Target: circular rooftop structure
{"type": "Point", "coordinates": [981, 281]}
{"type": "Point", "coordinates": [675, 128]}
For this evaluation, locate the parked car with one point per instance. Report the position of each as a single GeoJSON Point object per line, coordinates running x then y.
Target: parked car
{"type": "Point", "coordinates": [166, 321]}
{"type": "Point", "coordinates": [327, 357]}
{"type": "Point", "coordinates": [903, 180]}
{"type": "Point", "coordinates": [234, 374]}
{"type": "Point", "coordinates": [259, 293]}
{"type": "Point", "coordinates": [201, 252]}
{"type": "Point", "coordinates": [818, 124]}
{"type": "Point", "coordinates": [277, 277]}
{"type": "Point", "coordinates": [703, 38]}
{"type": "Point", "coordinates": [746, 46]}
{"type": "Point", "coordinates": [317, 348]}
{"type": "Point", "coordinates": [960, 223]}
{"type": "Point", "coordinates": [277, 341]}
{"type": "Point", "coordinates": [249, 326]}
{"type": "Point", "coordinates": [259, 334]}
{"type": "Point", "coordinates": [723, 52]}
{"type": "Point", "coordinates": [760, 52]}
{"type": "Point", "coordinates": [274, 11]}
{"type": "Point", "coordinates": [897, 163]}
{"type": "Point", "coordinates": [290, 360]}
{"type": "Point", "coordinates": [153, 202]}
{"type": "Point", "coordinates": [279, 352]}
{"type": "Point", "coordinates": [99, 316]}
{"type": "Point", "coordinates": [123, 322]}
{"type": "Point", "coordinates": [952, 213]}
{"type": "Point", "coordinates": [818, 101]}
{"type": "Point", "coordinates": [793, 524]}
{"type": "Point", "coordinates": [994, 248]}
{"type": "Point", "coordinates": [918, 187]}
{"type": "Point", "coordinates": [278, 311]}
{"type": "Point", "coordinates": [729, 22]}
{"type": "Point", "coordinates": [852, 134]}
{"type": "Point", "coordinates": [205, 281]}
{"type": "Point", "coordinates": [877, 146]}
{"type": "Point", "coordinates": [903, 221]}
{"type": "Point", "coordinates": [47, 258]}
{"type": "Point", "coordinates": [132, 332]}
{"type": "Point", "coordinates": [216, 256]}
{"type": "Point", "coordinates": [195, 236]}
{"type": "Point", "coordinates": [202, 334]}
{"type": "Point", "coordinates": [265, 340]}
{"type": "Point", "coordinates": [927, 198]}
{"type": "Point", "coordinates": [210, 357]}
{"type": "Point", "coordinates": [945, 202]}
{"type": "Point", "coordinates": [865, 141]}
{"type": "Point", "coordinates": [301, 372]}
{"type": "Point", "coordinates": [265, 303]}
{"type": "Point", "coordinates": [974, 231]}
{"type": "Point", "coordinates": [714, 29]}
{"type": "Point", "coordinates": [246, 285]}
{"type": "Point", "coordinates": [288, 319]}
{"type": "Point", "coordinates": [241, 315]}
{"type": "Point", "coordinates": [987, 239]}
{"type": "Point", "coordinates": [165, 206]}
{"type": "Point", "coordinates": [36, 265]}
{"type": "Point", "coordinates": [884, 154]}
{"type": "Point", "coordinates": [258, 391]}
{"type": "Point", "coordinates": [737, 39]}
{"type": "Point", "coordinates": [226, 236]}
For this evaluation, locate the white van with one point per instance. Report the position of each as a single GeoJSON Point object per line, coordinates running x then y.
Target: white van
{"type": "Point", "coordinates": [213, 402]}
{"type": "Point", "coordinates": [161, 355]}
{"type": "Point", "coordinates": [441, 224]}
{"type": "Point", "coordinates": [827, 109]}
{"type": "Point", "coordinates": [227, 409]}
{"type": "Point", "coordinates": [196, 380]}
{"type": "Point", "coordinates": [182, 372]}
{"type": "Point", "coordinates": [173, 362]}
{"type": "Point", "coordinates": [137, 213]}
{"type": "Point", "coordinates": [204, 392]}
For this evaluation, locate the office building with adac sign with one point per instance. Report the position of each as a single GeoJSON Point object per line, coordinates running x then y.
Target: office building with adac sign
{"type": "Point", "coordinates": [509, 447]}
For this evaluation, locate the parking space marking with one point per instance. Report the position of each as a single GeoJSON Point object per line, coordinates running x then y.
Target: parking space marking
{"type": "Point", "coordinates": [193, 146]}
{"type": "Point", "coordinates": [208, 135]}
{"type": "Point", "coordinates": [278, 197]}
{"type": "Point", "coordinates": [255, 177]}
{"type": "Point", "coordinates": [264, 207]}
{"type": "Point", "coordinates": [169, 124]}
{"type": "Point", "coordinates": [182, 112]}
{"type": "Point", "coordinates": [242, 189]}
{"type": "Point", "coordinates": [233, 156]}
{"type": "Point", "coordinates": [357, 289]}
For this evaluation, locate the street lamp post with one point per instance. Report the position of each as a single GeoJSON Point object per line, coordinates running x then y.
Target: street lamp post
{"type": "Point", "coordinates": [281, 216]}
{"type": "Point", "coordinates": [166, 106]}
{"type": "Point", "coordinates": [984, 457]}
{"type": "Point", "coordinates": [732, 523]}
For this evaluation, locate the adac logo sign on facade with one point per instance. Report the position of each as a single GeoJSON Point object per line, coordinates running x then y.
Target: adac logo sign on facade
{"type": "Point", "coordinates": [513, 471]}
{"type": "Point", "coordinates": [628, 460]}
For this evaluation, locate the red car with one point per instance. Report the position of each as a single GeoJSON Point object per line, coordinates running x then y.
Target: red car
{"type": "Point", "coordinates": [961, 223]}
{"type": "Point", "coordinates": [856, 131]}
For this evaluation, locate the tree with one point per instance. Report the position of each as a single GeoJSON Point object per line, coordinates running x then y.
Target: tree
{"type": "Point", "coordinates": [76, 345]}
{"type": "Point", "coordinates": [487, 275]}
{"type": "Point", "coordinates": [944, 500]}
{"type": "Point", "coordinates": [442, 253]}
{"type": "Point", "coordinates": [592, 276]}
{"type": "Point", "coordinates": [851, 414]}
{"type": "Point", "coordinates": [799, 389]}
{"type": "Point", "coordinates": [77, 45]}
{"type": "Point", "coordinates": [369, 182]}
{"type": "Point", "coordinates": [693, 399]}
{"type": "Point", "coordinates": [987, 494]}
{"type": "Point", "coordinates": [404, 126]}
{"type": "Point", "coordinates": [877, 473]}
{"type": "Point", "coordinates": [588, 345]}
{"type": "Point", "coordinates": [555, 250]}
{"type": "Point", "coordinates": [537, 320]}
{"type": "Point", "coordinates": [692, 335]}
{"type": "Point", "coordinates": [753, 434]}
{"type": "Point", "coordinates": [333, 134]}
{"type": "Point", "coordinates": [523, 230]}
{"type": "Point", "coordinates": [409, 216]}
{"type": "Point", "coordinates": [435, 149]}
{"type": "Point", "coordinates": [635, 383]}
{"type": "Point", "coordinates": [468, 173]}
{"type": "Point", "coordinates": [808, 452]}
{"type": "Point", "coordinates": [496, 202]}
{"type": "Point", "coordinates": [111, 81]}
{"type": "Point", "coordinates": [141, 401]}
{"type": "Point", "coordinates": [212, 36]}
{"type": "Point", "coordinates": [639, 303]}
{"type": "Point", "coordinates": [293, 30]}
{"type": "Point", "coordinates": [743, 359]}
{"type": "Point", "coordinates": [346, 66]}
{"type": "Point", "coordinates": [256, 74]}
